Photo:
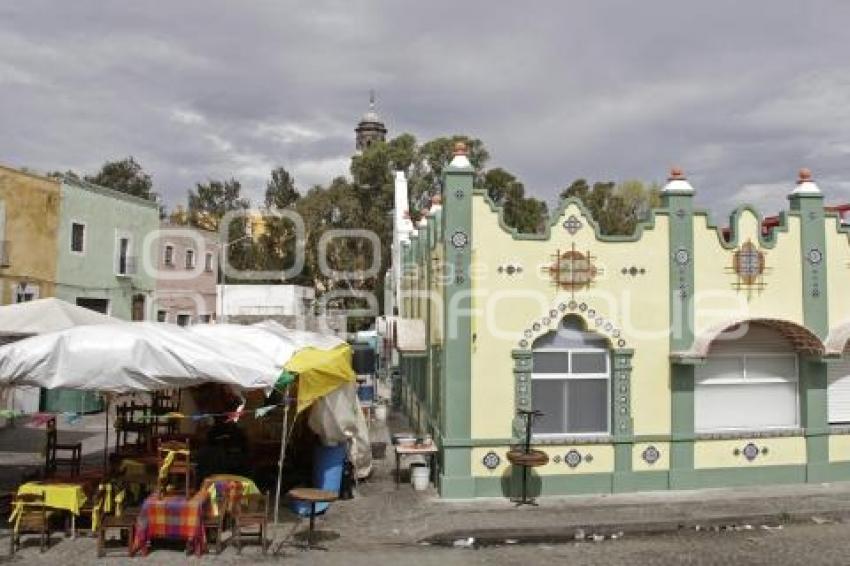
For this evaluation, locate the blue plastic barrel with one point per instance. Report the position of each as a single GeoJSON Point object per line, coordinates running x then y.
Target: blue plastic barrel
{"type": "Point", "coordinates": [328, 464]}
{"type": "Point", "coordinates": [366, 393]}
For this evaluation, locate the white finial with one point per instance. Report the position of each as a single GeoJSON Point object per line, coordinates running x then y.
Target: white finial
{"type": "Point", "coordinates": [460, 158]}
{"type": "Point", "coordinates": [372, 99]}
{"type": "Point", "coordinates": [677, 183]}
{"type": "Point", "coordinates": [805, 184]}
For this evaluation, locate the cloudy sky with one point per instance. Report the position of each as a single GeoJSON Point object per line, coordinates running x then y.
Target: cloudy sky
{"type": "Point", "coordinates": [740, 94]}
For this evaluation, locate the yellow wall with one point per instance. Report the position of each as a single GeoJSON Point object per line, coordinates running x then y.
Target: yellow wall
{"type": "Point", "coordinates": [32, 220]}
{"type": "Point", "coordinates": [716, 299]}
{"type": "Point", "coordinates": [506, 305]}
{"type": "Point", "coordinates": [839, 448]}
{"type": "Point", "coordinates": [837, 273]}
{"type": "Point", "coordinates": [720, 453]}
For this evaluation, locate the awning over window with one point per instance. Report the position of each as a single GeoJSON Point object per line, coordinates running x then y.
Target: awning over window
{"type": "Point", "coordinates": [410, 335]}
{"type": "Point", "coordinates": [838, 337]}
{"type": "Point", "coordinates": [803, 340]}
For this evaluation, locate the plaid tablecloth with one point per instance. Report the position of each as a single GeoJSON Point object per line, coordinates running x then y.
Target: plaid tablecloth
{"type": "Point", "coordinates": [173, 517]}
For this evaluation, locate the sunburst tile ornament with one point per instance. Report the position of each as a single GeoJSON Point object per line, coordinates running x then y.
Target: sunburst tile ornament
{"type": "Point", "coordinates": [573, 270]}
{"type": "Point", "coordinates": [749, 268]}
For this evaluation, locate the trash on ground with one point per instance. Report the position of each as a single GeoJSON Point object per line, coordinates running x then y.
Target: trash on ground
{"type": "Point", "coordinates": [464, 542]}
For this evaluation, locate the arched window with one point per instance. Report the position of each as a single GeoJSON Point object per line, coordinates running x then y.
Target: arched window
{"type": "Point", "coordinates": [571, 371]}
{"type": "Point", "coordinates": [748, 382]}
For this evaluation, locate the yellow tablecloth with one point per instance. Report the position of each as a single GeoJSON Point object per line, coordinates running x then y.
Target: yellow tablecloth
{"type": "Point", "coordinates": [66, 496]}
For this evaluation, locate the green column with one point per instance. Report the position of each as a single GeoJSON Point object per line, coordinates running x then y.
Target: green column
{"type": "Point", "coordinates": [456, 474]}
{"type": "Point", "coordinates": [807, 202]}
{"type": "Point", "coordinates": [621, 419]}
{"type": "Point", "coordinates": [677, 197]}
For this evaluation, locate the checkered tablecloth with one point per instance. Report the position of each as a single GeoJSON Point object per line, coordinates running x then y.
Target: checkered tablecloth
{"type": "Point", "coordinates": [173, 517]}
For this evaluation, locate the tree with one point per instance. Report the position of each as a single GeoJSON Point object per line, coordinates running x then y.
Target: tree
{"type": "Point", "coordinates": [280, 189]}
{"type": "Point", "coordinates": [616, 208]}
{"type": "Point", "coordinates": [210, 201]}
{"type": "Point", "coordinates": [126, 176]}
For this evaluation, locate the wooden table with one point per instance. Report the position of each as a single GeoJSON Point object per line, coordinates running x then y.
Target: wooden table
{"type": "Point", "coordinates": [430, 450]}
{"type": "Point", "coordinates": [312, 496]}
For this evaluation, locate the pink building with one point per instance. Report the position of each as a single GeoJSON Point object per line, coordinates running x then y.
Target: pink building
{"type": "Point", "coordinates": [186, 274]}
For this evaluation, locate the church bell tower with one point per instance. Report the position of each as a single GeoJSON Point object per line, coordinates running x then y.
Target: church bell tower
{"type": "Point", "coordinates": [370, 129]}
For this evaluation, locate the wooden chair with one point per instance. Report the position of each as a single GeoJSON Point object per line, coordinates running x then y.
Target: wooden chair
{"type": "Point", "coordinates": [52, 459]}
{"type": "Point", "coordinates": [131, 418]}
{"type": "Point", "coordinates": [250, 511]}
{"type": "Point", "coordinates": [123, 521]}
{"type": "Point", "coordinates": [34, 518]}
{"type": "Point", "coordinates": [217, 523]}
{"type": "Point", "coordinates": [181, 465]}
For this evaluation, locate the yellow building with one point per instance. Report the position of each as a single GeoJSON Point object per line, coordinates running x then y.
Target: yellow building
{"type": "Point", "coordinates": [681, 356]}
{"type": "Point", "coordinates": [29, 220]}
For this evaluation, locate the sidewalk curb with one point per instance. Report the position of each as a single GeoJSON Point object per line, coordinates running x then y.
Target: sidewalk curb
{"type": "Point", "coordinates": [577, 532]}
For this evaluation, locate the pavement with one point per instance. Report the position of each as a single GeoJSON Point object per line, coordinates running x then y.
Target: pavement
{"type": "Point", "coordinates": [757, 525]}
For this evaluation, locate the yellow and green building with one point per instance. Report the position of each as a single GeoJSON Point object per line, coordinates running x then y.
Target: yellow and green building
{"type": "Point", "coordinates": [680, 357]}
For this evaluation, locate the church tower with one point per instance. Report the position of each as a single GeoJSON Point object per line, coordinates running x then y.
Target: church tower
{"type": "Point", "coordinates": [370, 129]}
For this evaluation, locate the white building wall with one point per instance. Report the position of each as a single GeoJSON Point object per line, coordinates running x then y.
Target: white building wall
{"type": "Point", "coordinates": [268, 300]}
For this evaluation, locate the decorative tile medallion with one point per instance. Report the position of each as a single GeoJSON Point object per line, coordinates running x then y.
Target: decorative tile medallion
{"type": "Point", "coordinates": [749, 268]}
{"type": "Point", "coordinates": [572, 458]}
{"type": "Point", "coordinates": [491, 460]}
{"type": "Point", "coordinates": [682, 256]}
{"type": "Point", "coordinates": [572, 225]}
{"type": "Point", "coordinates": [650, 455]}
{"type": "Point", "coordinates": [750, 451]}
{"type": "Point", "coordinates": [460, 239]}
{"type": "Point", "coordinates": [556, 458]}
{"type": "Point", "coordinates": [573, 270]}
{"type": "Point", "coordinates": [815, 256]}
{"type": "Point", "coordinates": [459, 194]}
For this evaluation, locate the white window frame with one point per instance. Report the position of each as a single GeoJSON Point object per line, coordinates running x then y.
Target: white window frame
{"type": "Point", "coordinates": [85, 238]}
{"type": "Point", "coordinates": [165, 261]}
{"type": "Point", "coordinates": [569, 376]}
{"type": "Point", "coordinates": [208, 262]}
{"type": "Point", "coordinates": [119, 235]}
{"type": "Point", "coordinates": [190, 253]}
{"type": "Point", "coordinates": [743, 380]}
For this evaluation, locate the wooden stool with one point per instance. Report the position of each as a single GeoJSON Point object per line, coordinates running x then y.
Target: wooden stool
{"type": "Point", "coordinates": [312, 496]}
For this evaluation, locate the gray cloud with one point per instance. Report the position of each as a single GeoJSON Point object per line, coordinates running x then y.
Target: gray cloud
{"type": "Point", "coordinates": [739, 94]}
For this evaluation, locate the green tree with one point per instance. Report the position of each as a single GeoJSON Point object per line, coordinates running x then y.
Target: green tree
{"type": "Point", "coordinates": [208, 203]}
{"type": "Point", "coordinates": [126, 176]}
{"type": "Point", "coordinates": [280, 189]}
{"type": "Point", "coordinates": [616, 208]}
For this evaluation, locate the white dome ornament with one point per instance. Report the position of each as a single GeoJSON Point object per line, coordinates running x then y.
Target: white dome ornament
{"type": "Point", "coordinates": [677, 183]}
{"type": "Point", "coordinates": [806, 184]}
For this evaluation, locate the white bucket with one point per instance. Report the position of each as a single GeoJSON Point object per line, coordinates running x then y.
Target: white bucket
{"type": "Point", "coordinates": [420, 477]}
{"type": "Point", "coordinates": [381, 412]}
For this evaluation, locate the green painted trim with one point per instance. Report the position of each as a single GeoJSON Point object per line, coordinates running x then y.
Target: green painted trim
{"type": "Point", "coordinates": [456, 385]}
{"type": "Point", "coordinates": [813, 237]}
{"type": "Point", "coordinates": [682, 418]}
{"type": "Point", "coordinates": [455, 477]}
{"type": "Point", "coordinates": [768, 242]}
{"type": "Point", "coordinates": [555, 216]}
{"type": "Point", "coordinates": [621, 397]}
{"type": "Point", "coordinates": [732, 477]}
{"type": "Point", "coordinates": [681, 279]}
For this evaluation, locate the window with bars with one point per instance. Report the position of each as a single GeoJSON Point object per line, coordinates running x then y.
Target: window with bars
{"type": "Point", "coordinates": [78, 237]}
{"type": "Point", "coordinates": [190, 259]}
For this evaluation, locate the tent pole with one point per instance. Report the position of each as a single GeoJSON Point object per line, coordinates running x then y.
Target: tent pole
{"type": "Point", "coordinates": [282, 453]}
{"type": "Point", "coordinates": [106, 437]}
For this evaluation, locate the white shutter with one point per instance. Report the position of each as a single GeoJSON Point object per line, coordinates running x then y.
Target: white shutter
{"type": "Point", "coordinates": [838, 391]}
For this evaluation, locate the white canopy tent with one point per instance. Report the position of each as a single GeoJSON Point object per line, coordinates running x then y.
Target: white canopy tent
{"type": "Point", "coordinates": [47, 315]}
{"type": "Point", "coordinates": [131, 357]}
{"type": "Point", "coordinates": [38, 317]}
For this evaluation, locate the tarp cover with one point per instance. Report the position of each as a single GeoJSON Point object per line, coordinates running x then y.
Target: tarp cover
{"type": "Point", "coordinates": [48, 315]}
{"type": "Point", "coordinates": [132, 357]}
{"type": "Point", "coordinates": [320, 372]}
{"type": "Point", "coordinates": [339, 412]}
